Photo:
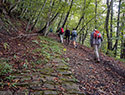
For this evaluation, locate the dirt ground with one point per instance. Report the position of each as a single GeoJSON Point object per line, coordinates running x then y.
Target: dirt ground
{"type": "Point", "coordinates": [104, 78]}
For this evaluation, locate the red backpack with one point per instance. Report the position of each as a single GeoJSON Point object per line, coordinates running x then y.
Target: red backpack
{"type": "Point", "coordinates": [97, 34]}
{"type": "Point", "coordinates": [62, 31]}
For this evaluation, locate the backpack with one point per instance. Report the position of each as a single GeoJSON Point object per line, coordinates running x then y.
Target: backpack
{"type": "Point", "coordinates": [74, 34]}
{"type": "Point", "coordinates": [97, 34]}
{"type": "Point", "coordinates": [62, 31]}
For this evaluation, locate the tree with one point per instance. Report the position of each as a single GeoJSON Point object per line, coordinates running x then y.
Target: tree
{"type": "Point", "coordinates": [111, 26]}
{"type": "Point", "coordinates": [117, 33]}
{"type": "Point", "coordinates": [38, 16]}
{"type": "Point", "coordinates": [67, 14]}
{"type": "Point", "coordinates": [107, 25]}
{"type": "Point", "coordinates": [95, 14]}
{"type": "Point", "coordinates": [122, 27]}
{"type": "Point", "coordinates": [122, 39]}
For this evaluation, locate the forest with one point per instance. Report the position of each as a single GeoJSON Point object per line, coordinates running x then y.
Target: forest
{"type": "Point", "coordinates": [33, 62]}
{"type": "Point", "coordinates": [84, 15]}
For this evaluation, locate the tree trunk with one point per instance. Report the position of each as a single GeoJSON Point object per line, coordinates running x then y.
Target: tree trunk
{"type": "Point", "coordinates": [107, 25]}
{"type": "Point", "coordinates": [79, 22]}
{"type": "Point", "coordinates": [29, 23]}
{"type": "Point", "coordinates": [12, 7]}
{"type": "Point", "coordinates": [60, 21]}
{"type": "Point", "coordinates": [24, 12]}
{"type": "Point", "coordinates": [55, 15]}
{"type": "Point", "coordinates": [90, 21]}
{"type": "Point", "coordinates": [95, 14]}
{"type": "Point", "coordinates": [111, 23]}
{"type": "Point", "coordinates": [123, 39]}
{"type": "Point", "coordinates": [37, 18]}
{"type": "Point", "coordinates": [42, 30]}
{"type": "Point", "coordinates": [82, 17]}
{"type": "Point", "coordinates": [122, 55]}
{"type": "Point", "coordinates": [83, 40]}
{"type": "Point", "coordinates": [67, 14]}
{"type": "Point", "coordinates": [48, 22]}
{"type": "Point", "coordinates": [123, 49]}
{"type": "Point", "coordinates": [3, 1]}
{"type": "Point", "coordinates": [80, 37]}
{"type": "Point", "coordinates": [81, 34]}
{"type": "Point", "coordinates": [29, 20]}
{"type": "Point", "coordinates": [117, 33]}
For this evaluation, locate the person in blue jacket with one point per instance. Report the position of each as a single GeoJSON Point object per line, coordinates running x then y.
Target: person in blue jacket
{"type": "Point", "coordinates": [73, 37]}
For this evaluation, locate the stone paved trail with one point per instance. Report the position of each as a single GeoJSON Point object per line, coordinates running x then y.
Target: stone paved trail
{"type": "Point", "coordinates": [52, 79]}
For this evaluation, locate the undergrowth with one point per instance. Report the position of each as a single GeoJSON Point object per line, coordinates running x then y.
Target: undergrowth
{"type": "Point", "coordinates": [5, 69]}
{"type": "Point", "coordinates": [47, 49]}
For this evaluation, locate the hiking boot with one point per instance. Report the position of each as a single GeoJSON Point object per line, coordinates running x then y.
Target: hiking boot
{"type": "Point", "coordinates": [98, 60]}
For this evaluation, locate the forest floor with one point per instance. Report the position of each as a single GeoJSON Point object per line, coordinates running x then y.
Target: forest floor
{"type": "Point", "coordinates": [73, 73]}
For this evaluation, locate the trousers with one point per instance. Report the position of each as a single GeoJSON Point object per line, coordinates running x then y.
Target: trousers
{"type": "Point", "coordinates": [96, 50]}
{"type": "Point", "coordinates": [61, 38]}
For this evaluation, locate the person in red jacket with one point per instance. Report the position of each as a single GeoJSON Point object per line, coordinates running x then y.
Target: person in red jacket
{"type": "Point", "coordinates": [60, 34]}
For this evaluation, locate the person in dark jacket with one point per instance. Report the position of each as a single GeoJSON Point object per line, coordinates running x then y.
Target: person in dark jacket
{"type": "Point", "coordinates": [67, 36]}
{"type": "Point", "coordinates": [95, 42]}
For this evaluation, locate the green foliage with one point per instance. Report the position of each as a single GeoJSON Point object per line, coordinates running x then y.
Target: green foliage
{"type": "Point", "coordinates": [5, 68]}
{"type": "Point", "coordinates": [25, 66]}
{"type": "Point", "coordinates": [10, 77]}
{"type": "Point", "coordinates": [48, 49]}
{"type": "Point", "coordinates": [123, 60]}
{"type": "Point", "coordinates": [35, 41]}
{"type": "Point", "coordinates": [6, 46]}
{"type": "Point", "coordinates": [15, 56]}
{"type": "Point", "coordinates": [52, 45]}
{"type": "Point", "coordinates": [39, 61]}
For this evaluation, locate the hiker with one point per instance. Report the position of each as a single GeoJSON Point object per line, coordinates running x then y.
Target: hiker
{"type": "Point", "coordinates": [60, 34]}
{"type": "Point", "coordinates": [95, 42]}
{"type": "Point", "coordinates": [73, 37]}
{"type": "Point", "coordinates": [67, 36]}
